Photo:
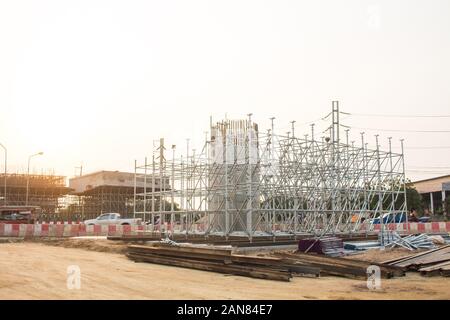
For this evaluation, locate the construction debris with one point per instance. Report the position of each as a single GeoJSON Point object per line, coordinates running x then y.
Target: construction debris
{"type": "Point", "coordinates": [392, 239]}
{"type": "Point", "coordinates": [411, 242]}
{"type": "Point", "coordinates": [170, 242]}
{"type": "Point", "coordinates": [437, 239]}
{"type": "Point", "coordinates": [431, 262]}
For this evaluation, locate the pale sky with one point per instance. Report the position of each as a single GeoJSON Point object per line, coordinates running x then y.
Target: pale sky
{"type": "Point", "coordinates": [95, 82]}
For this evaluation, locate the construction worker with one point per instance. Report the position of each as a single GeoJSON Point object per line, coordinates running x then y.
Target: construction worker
{"type": "Point", "coordinates": [413, 216]}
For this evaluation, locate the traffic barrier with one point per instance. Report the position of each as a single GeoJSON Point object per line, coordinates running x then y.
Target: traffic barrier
{"type": "Point", "coordinates": [68, 230]}
{"type": "Point", "coordinates": [112, 229]}
{"type": "Point", "coordinates": [80, 230]}
{"type": "Point", "coordinates": [415, 227]}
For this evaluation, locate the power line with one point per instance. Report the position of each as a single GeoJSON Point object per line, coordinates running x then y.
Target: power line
{"type": "Point", "coordinates": [435, 173]}
{"type": "Point", "coordinates": [398, 130]}
{"type": "Point", "coordinates": [395, 115]}
{"type": "Point", "coordinates": [429, 167]}
{"type": "Point", "coordinates": [425, 147]}
{"type": "Point", "coordinates": [314, 121]}
{"type": "Point", "coordinates": [429, 148]}
{"type": "Point", "coordinates": [424, 170]}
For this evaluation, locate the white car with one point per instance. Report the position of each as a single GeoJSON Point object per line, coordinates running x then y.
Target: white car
{"type": "Point", "coordinates": [112, 218]}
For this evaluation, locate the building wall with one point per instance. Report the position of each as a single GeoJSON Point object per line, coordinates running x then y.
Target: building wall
{"type": "Point", "coordinates": [432, 185]}
{"type": "Point", "coordinates": [111, 178]}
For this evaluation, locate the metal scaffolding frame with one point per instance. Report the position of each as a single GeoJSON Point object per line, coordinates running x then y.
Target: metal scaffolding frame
{"type": "Point", "coordinates": [45, 190]}
{"type": "Point", "coordinates": [104, 192]}
{"type": "Point", "coordinates": [92, 203]}
{"type": "Point", "coordinates": [247, 183]}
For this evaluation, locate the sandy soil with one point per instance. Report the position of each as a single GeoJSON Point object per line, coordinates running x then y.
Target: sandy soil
{"type": "Point", "coordinates": [38, 271]}
{"type": "Point", "coordinates": [99, 244]}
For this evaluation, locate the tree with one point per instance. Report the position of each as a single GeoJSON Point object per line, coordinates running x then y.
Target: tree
{"type": "Point", "coordinates": [447, 206]}
{"type": "Point", "coordinates": [414, 199]}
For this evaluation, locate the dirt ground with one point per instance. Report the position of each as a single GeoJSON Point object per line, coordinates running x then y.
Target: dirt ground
{"type": "Point", "coordinates": [39, 271]}
{"type": "Point", "coordinates": [99, 244]}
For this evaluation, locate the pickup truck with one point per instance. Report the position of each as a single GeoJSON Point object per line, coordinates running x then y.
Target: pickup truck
{"type": "Point", "coordinates": [112, 218]}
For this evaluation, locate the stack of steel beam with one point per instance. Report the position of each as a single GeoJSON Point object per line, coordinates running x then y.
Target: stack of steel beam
{"type": "Point", "coordinates": [326, 245]}
{"type": "Point", "coordinates": [219, 259]}
{"type": "Point", "coordinates": [428, 263]}
{"type": "Point", "coordinates": [342, 267]}
{"type": "Point", "coordinates": [281, 266]}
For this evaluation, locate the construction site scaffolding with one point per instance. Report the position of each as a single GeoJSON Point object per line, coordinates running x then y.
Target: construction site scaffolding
{"type": "Point", "coordinates": [44, 190]}
{"type": "Point", "coordinates": [247, 183]}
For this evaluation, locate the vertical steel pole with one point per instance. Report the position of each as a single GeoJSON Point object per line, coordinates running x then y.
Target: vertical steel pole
{"type": "Point", "coordinates": [134, 197]}
{"type": "Point", "coordinates": [250, 175]}
{"type": "Point", "coordinates": [403, 183]}
{"type": "Point", "coordinates": [6, 162]}
{"type": "Point", "coordinates": [380, 200]}
{"type": "Point", "coordinates": [188, 195]}
{"type": "Point", "coordinates": [182, 193]}
{"type": "Point", "coordinates": [28, 180]}
{"type": "Point", "coordinates": [172, 187]}
{"type": "Point", "coordinates": [145, 189]}
{"type": "Point", "coordinates": [162, 185]}
{"type": "Point", "coordinates": [391, 176]}
{"type": "Point", "coordinates": [272, 167]}
{"type": "Point", "coordinates": [444, 207]}
{"type": "Point", "coordinates": [366, 205]}
{"type": "Point", "coordinates": [153, 193]}
{"type": "Point", "coordinates": [225, 165]}
{"type": "Point", "coordinates": [28, 174]}
{"type": "Point", "coordinates": [432, 203]}
{"type": "Point", "coordinates": [293, 128]}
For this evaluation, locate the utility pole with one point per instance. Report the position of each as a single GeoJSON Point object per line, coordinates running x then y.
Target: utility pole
{"type": "Point", "coordinates": [335, 119]}
{"type": "Point", "coordinates": [79, 201]}
{"type": "Point", "coordinates": [28, 174]}
{"type": "Point", "coordinates": [81, 170]}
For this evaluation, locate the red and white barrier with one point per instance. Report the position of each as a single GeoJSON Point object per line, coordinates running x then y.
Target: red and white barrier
{"type": "Point", "coordinates": [415, 227]}
{"type": "Point", "coordinates": [58, 222]}
{"type": "Point", "coordinates": [79, 230]}
{"type": "Point", "coordinates": [67, 230]}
